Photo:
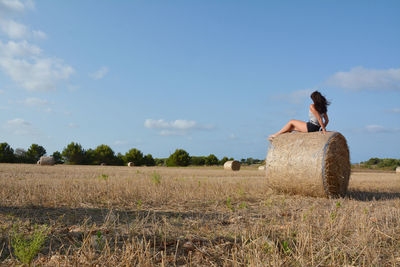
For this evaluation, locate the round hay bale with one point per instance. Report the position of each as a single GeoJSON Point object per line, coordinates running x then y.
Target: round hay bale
{"type": "Point", "coordinates": [261, 168]}
{"type": "Point", "coordinates": [398, 170]}
{"type": "Point", "coordinates": [103, 164]}
{"type": "Point", "coordinates": [309, 163]}
{"type": "Point", "coordinates": [232, 165]}
{"type": "Point", "coordinates": [46, 161]}
{"type": "Point", "coordinates": [130, 164]}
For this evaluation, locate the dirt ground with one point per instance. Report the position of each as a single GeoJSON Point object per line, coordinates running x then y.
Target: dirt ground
{"type": "Point", "coordinates": [121, 216]}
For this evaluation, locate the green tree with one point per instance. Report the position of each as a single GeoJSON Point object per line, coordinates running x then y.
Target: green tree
{"type": "Point", "coordinates": [197, 161]}
{"type": "Point", "coordinates": [134, 155]}
{"type": "Point", "coordinates": [211, 160]}
{"type": "Point", "coordinates": [57, 157]}
{"type": "Point", "coordinates": [119, 160]}
{"type": "Point", "coordinates": [160, 162]}
{"type": "Point", "coordinates": [74, 154]}
{"type": "Point", "coordinates": [20, 155]}
{"type": "Point", "coordinates": [148, 160]}
{"type": "Point", "coordinates": [6, 153]}
{"type": "Point", "coordinates": [179, 158]}
{"type": "Point", "coordinates": [103, 154]}
{"type": "Point", "coordinates": [223, 160]}
{"type": "Point", "coordinates": [34, 153]}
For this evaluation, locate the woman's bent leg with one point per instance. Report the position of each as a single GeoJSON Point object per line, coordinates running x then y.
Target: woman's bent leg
{"type": "Point", "coordinates": [292, 125]}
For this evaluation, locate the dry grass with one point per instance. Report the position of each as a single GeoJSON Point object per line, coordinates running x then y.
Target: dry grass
{"type": "Point", "coordinates": [196, 216]}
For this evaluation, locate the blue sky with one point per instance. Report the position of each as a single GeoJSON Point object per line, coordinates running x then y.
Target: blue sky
{"type": "Point", "coordinates": [206, 76]}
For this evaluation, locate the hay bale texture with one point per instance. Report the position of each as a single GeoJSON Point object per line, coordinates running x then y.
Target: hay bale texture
{"type": "Point", "coordinates": [130, 164]}
{"type": "Point", "coordinates": [232, 165]}
{"type": "Point", "coordinates": [46, 161]}
{"type": "Point", "coordinates": [309, 163]}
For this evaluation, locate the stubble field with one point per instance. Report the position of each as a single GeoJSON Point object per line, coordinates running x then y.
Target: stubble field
{"type": "Point", "coordinates": [121, 216]}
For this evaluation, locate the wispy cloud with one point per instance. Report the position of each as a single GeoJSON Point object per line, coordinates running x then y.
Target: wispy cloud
{"type": "Point", "coordinates": [120, 143]}
{"type": "Point", "coordinates": [34, 101]}
{"type": "Point", "coordinates": [1, 91]}
{"type": "Point", "coordinates": [177, 127]}
{"type": "Point", "coordinates": [360, 78]}
{"type": "Point", "coordinates": [294, 97]}
{"type": "Point", "coordinates": [20, 126]}
{"type": "Point", "coordinates": [374, 128]}
{"type": "Point", "coordinates": [72, 125]}
{"type": "Point", "coordinates": [15, 6]}
{"type": "Point", "coordinates": [99, 74]}
{"type": "Point", "coordinates": [394, 110]}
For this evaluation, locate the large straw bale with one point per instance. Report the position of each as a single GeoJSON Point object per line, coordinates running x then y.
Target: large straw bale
{"type": "Point", "coordinates": [233, 165]}
{"type": "Point", "coordinates": [46, 161]}
{"type": "Point", "coordinates": [398, 170]}
{"type": "Point", "coordinates": [130, 164]}
{"type": "Point", "coordinates": [261, 168]}
{"type": "Point", "coordinates": [309, 163]}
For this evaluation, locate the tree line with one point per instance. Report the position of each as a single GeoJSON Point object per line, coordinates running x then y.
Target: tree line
{"type": "Point", "coordinates": [75, 154]}
{"type": "Point", "coordinates": [377, 163]}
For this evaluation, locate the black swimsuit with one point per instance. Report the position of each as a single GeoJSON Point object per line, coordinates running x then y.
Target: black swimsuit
{"type": "Point", "coordinates": [311, 127]}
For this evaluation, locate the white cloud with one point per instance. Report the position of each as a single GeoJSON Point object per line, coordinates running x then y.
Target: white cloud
{"type": "Point", "coordinates": [72, 125]}
{"type": "Point", "coordinates": [99, 74]}
{"type": "Point", "coordinates": [177, 127]}
{"type": "Point", "coordinates": [232, 136]}
{"type": "Point", "coordinates": [394, 110]}
{"type": "Point", "coordinates": [373, 128]}
{"type": "Point", "coordinates": [7, 6]}
{"type": "Point", "coordinates": [26, 66]}
{"type": "Point", "coordinates": [13, 29]}
{"type": "Point", "coordinates": [360, 78]}
{"type": "Point", "coordinates": [120, 143]}
{"type": "Point", "coordinates": [20, 126]}
{"type": "Point", "coordinates": [34, 101]}
{"type": "Point", "coordinates": [1, 91]}
{"type": "Point", "coordinates": [295, 97]}
{"type": "Point", "coordinates": [39, 35]}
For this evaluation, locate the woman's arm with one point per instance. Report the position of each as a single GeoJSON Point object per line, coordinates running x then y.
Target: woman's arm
{"type": "Point", "coordinates": [326, 119]}
{"type": "Point", "coordinates": [316, 114]}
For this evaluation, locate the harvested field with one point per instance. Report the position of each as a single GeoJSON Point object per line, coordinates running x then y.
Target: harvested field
{"type": "Point", "coordinates": [120, 216]}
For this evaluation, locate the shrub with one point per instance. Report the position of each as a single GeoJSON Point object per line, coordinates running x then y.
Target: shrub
{"type": "Point", "coordinates": [34, 153]}
{"type": "Point", "coordinates": [223, 160]}
{"type": "Point", "coordinates": [197, 161]}
{"type": "Point", "coordinates": [179, 158]}
{"type": "Point", "coordinates": [103, 154]}
{"type": "Point", "coordinates": [134, 155]}
{"type": "Point", "coordinates": [148, 160]}
{"type": "Point", "coordinates": [57, 157]}
{"type": "Point", "coordinates": [26, 247]}
{"type": "Point", "coordinates": [74, 154]}
{"type": "Point", "coordinates": [6, 153]}
{"type": "Point", "coordinates": [211, 160]}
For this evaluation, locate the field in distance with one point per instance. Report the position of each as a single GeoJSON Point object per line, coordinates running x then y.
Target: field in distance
{"type": "Point", "coordinates": [121, 216]}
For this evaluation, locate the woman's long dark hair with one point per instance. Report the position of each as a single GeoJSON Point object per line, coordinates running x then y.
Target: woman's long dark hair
{"type": "Point", "coordinates": [320, 102]}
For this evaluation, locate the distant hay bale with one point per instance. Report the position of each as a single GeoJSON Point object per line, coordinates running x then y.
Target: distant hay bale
{"type": "Point", "coordinates": [261, 168]}
{"type": "Point", "coordinates": [233, 165]}
{"type": "Point", "coordinates": [130, 164]}
{"type": "Point", "coordinates": [309, 163]}
{"type": "Point", "coordinates": [103, 164]}
{"type": "Point", "coordinates": [398, 170]}
{"type": "Point", "coordinates": [46, 161]}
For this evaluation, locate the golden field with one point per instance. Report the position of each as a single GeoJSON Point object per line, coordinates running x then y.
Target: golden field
{"type": "Point", "coordinates": [146, 216]}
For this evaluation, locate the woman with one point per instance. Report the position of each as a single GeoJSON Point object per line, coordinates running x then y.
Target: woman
{"type": "Point", "coordinates": [318, 118]}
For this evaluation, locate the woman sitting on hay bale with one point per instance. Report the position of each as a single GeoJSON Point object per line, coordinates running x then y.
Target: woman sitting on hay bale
{"type": "Point", "coordinates": [318, 111]}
